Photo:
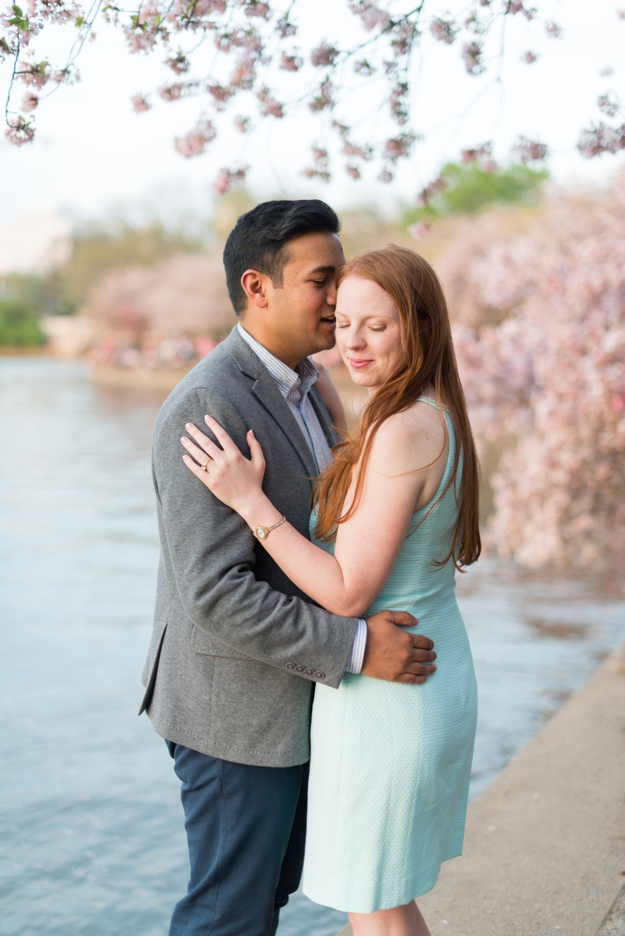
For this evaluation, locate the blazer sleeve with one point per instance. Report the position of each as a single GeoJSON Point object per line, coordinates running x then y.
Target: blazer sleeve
{"type": "Point", "coordinates": [211, 552]}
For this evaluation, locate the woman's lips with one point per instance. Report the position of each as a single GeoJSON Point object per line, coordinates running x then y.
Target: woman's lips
{"type": "Point", "coordinates": [358, 364]}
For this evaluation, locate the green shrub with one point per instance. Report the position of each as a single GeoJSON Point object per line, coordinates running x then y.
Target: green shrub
{"type": "Point", "coordinates": [19, 325]}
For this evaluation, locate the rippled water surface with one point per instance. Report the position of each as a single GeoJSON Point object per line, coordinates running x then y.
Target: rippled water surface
{"type": "Point", "coordinates": [90, 822]}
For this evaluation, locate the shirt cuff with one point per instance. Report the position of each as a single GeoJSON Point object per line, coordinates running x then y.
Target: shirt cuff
{"type": "Point", "coordinates": [354, 664]}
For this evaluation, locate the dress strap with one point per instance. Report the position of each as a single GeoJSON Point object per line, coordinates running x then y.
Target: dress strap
{"type": "Point", "coordinates": [424, 399]}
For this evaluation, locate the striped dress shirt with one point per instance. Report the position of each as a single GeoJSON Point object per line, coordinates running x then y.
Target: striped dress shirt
{"type": "Point", "coordinates": [294, 386]}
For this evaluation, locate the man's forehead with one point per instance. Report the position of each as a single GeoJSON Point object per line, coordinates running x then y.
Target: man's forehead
{"type": "Point", "coordinates": [320, 253]}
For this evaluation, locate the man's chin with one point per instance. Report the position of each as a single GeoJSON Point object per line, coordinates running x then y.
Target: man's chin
{"type": "Point", "coordinates": [327, 341]}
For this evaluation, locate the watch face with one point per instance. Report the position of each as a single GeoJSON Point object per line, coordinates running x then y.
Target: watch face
{"type": "Point", "coordinates": [260, 532]}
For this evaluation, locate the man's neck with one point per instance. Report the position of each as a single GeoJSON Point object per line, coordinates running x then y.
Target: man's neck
{"type": "Point", "coordinates": [272, 345]}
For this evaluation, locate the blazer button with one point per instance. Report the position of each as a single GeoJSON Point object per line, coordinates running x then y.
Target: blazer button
{"type": "Point", "coordinates": [290, 666]}
{"type": "Point", "coordinates": [310, 672]}
{"type": "Point", "coordinates": [300, 669]}
{"type": "Point", "coordinates": [320, 675]}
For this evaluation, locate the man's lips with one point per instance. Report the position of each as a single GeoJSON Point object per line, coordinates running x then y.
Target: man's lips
{"type": "Point", "coordinates": [329, 320]}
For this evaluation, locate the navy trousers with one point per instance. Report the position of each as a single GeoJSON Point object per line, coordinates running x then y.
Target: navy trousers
{"type": "Point", "coordinates": [245, 829]}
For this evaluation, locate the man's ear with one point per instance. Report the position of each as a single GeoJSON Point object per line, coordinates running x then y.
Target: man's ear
{"type": "Point", "coordinates": [254, 285]}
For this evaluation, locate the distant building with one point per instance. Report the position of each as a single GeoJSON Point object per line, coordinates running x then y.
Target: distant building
{"type": "Point", "coordinates": [35, 242]}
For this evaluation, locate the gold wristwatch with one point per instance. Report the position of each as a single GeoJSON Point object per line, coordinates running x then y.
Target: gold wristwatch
{"type": "Point", "coordinates": [261, 532]}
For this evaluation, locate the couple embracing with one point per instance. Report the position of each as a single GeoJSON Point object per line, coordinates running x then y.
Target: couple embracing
{"type": "Point", "coordinates": [307, 721]}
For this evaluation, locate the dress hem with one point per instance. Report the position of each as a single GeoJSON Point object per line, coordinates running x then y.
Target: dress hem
{"type": "Point", "coordinates": [398, 902]}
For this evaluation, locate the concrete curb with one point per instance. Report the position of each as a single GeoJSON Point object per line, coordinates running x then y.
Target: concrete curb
{"type": "Point", "coordinates": [614, 923]}
{"type": "Point", "coordinates": [545, 843]}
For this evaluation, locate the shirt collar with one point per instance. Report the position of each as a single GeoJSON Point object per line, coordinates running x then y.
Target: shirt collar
{"type": "Point", "coordinates": [293, 384]}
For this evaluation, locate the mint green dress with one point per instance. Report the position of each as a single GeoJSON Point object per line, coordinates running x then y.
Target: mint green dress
{"type": "Point", "coordinates": [390, 762]}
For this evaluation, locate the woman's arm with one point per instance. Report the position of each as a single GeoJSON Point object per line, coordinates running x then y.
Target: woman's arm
{"type": "Point", "coordinates": [366, 545]}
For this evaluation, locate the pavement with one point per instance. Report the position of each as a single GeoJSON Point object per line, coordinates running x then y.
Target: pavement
{"type": "Point", "coordinates": [544, 851]}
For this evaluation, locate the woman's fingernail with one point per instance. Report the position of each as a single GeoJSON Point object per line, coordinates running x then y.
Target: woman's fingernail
{"type": "Point", "coordinates": [251, 432]}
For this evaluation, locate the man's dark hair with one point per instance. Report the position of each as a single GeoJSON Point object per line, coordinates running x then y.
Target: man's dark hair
{"type": "Point", "coordinates": [259, 240]}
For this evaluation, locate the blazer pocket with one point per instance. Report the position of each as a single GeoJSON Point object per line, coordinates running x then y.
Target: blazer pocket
{"type": "Point", "coordinates": [203, 642]}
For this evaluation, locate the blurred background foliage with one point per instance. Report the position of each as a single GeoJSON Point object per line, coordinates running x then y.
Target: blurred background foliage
{"type": "Point", "coordinates": [20, 323]}
{"type": "Point", "coordinates": [469, 189]}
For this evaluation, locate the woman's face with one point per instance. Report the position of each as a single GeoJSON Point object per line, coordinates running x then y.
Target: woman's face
{"type": "Point", "coordinates": [368, 331]}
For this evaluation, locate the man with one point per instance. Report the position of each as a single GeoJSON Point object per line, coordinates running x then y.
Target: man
{"type": "Point", "coordinates": [236, 648]}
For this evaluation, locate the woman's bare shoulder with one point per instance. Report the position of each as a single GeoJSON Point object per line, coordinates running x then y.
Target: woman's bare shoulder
{"type": "Point", "coordinates": [409, 440]}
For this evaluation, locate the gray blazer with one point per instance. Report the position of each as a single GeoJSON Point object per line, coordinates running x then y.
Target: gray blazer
{"type": "Point", "coordinates": [236, 647]}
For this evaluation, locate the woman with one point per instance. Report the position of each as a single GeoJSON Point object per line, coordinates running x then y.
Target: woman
{"type": "Point", "coordinates": [396, 513]}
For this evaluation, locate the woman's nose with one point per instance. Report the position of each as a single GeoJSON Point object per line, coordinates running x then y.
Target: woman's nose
{"type": "Point", "coordinates": [355, 340]}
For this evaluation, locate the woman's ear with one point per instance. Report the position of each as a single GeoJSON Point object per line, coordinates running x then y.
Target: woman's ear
{"type": "Point", "coordinates": [253, 284]}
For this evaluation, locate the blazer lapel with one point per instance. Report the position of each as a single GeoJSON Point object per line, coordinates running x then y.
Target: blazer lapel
{"type": "Point", "coordinates": [266, 391]}
{"type": "Point", "coordinates": [323, 416]}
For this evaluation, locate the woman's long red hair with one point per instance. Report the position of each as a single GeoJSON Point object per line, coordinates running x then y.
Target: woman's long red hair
{"type": "Point", "coordinates": [428, 359]}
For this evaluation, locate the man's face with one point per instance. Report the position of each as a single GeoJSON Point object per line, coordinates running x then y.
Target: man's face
{"type": "Point", "coordinates": [300, 314]}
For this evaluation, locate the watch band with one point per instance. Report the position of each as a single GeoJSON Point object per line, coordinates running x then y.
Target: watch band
{"type": "Point", "coordinates": [261, 532]}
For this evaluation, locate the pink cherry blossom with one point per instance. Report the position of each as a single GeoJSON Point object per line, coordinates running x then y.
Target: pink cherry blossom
{"type": "Point", "coordinates": [444, 30]}
{"type": "Point", "coordinates": [34, 74]}
{"type": "Point", "coordinates": [195, 142]}
{"type": "Point", "coordinates": [270, 107]}
{"type": "Point", "coordinates": [254, 51]}
{"type": "Point", "coordinates": [399, 146]}
{"type": "Point", "coordinates": [285, 28]}
{"type": "Point", "coordinates": [291, 63]}
{"type": "Point", "coordinates": [324, 54]}
{"type": "Point", "coordinates": [29, 102]}
{"type": "Point", "coordinates": [371, 15]}
{"type": "Point", "coordinates": [229, 177]}
{"type": "Point", "coordinates": [179, 63]}
{"type": "Point", "coordinates": [609, 104]}
{"type": "Point", "coordinates": [256, 8]}
{"type": "Point", "coordinates": [140, 103]}
{"type": "Point", "coordinates": [20, 131]}
{"type": "Point", "coordinates": [527, 150]}
{"type": "Point", "coordinates": [323, 99]}
{"type": "Point", "coordinates": [552, 29]}
{"type": "Point", "coordinates": [472, 57]}
{"type": "Point", "coordinates": [539, 331]}
{"type": "Point", "coordinates": [600, 138]}
{"type": "Point", "coordinates": [220, 94]}
{"type": "Point", "coordinates": [398, 104]}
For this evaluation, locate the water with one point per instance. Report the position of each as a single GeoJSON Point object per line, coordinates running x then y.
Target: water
{"type": "Point", "coordinates": [90, 820]}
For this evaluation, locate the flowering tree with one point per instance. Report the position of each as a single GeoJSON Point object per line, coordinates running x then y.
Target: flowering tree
{"type": "Point", "coordinates": [183, 295]}
{"type": "Point", "coordinates": [265, 66]}
{"type": "Point", "coordinates": [541, 344]}
{"type": "Point", "coordinates": [167, 316]}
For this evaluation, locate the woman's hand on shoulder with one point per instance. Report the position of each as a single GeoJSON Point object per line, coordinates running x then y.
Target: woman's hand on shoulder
{"type": "Point", "coordinates": [234, 479]}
